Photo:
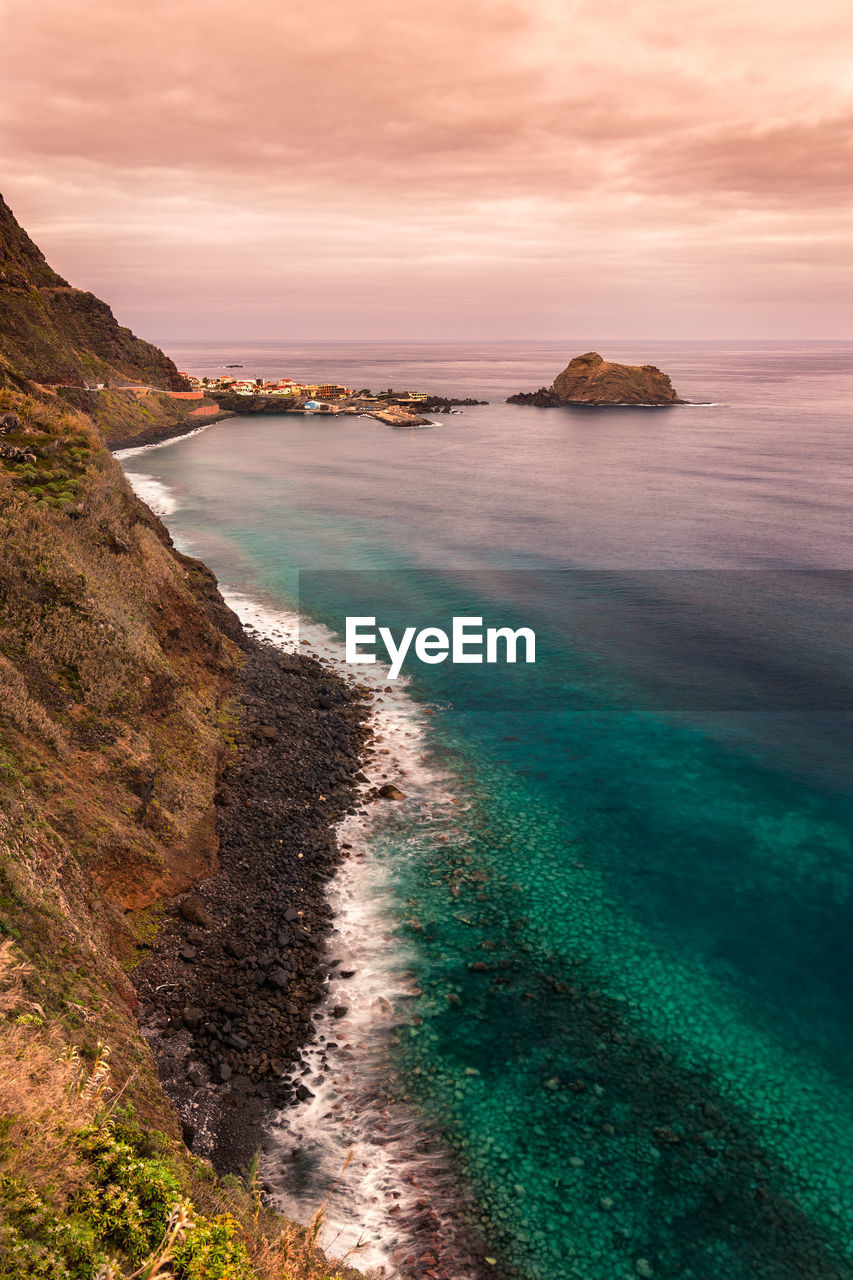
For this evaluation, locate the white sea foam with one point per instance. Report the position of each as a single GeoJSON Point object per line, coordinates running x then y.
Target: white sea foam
{"type": "Point", "coordinates": [158, 496]}
{"type": "Point", "coordinates": [134, 450]}
{"type": "Point", "coordinates": [371, 1202]}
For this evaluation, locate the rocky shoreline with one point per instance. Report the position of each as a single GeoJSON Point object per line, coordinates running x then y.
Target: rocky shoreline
{"type": "Point", "coordinates": [234, 973]}
{"type": "Point", "coordinates": [228, 984]}
{"type": "Point", "coordinates": [446, 404]}
{"type": "Point", "coordinates": [231, 985]}
{"type": "Point", "coordinates": [161, 435]}
{"type": "Point", "coordinates": [243, 406]}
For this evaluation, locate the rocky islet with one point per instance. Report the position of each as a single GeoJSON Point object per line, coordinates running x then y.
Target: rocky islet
{"type": "Point", "coordinates": [591, 380]}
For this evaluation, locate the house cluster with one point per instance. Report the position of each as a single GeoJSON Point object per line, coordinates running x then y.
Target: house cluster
{"type": "Point", "coordinates": [260, 387]}
{"type": "Point", "coordinates": [316, 395]}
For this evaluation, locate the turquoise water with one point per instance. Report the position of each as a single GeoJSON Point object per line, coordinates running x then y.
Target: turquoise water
{"type": "Point", "coordinates": [653, 1073]}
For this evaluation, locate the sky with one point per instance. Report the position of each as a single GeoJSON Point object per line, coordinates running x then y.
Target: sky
{"type": "Point", "coordinates": [462, 169]}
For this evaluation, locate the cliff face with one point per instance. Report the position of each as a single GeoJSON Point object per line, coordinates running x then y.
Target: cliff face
{"type": "Point", "coordinates": [591, 380]}
{"type": "Point", "coordinates": [123, 693]}
{"type": "Point", "coordinates": [115, 661]}
{"type": "Point", "coordinates": [51, 332]}
{"type": "Point", "coordinates": [115, 655]}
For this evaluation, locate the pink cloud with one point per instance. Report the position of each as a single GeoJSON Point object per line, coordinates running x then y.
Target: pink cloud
{"type": "Point", "coordinates": [552, 149]}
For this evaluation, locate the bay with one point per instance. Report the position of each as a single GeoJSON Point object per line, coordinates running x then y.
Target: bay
{"type": "Point", "coordinates": [649, 855]}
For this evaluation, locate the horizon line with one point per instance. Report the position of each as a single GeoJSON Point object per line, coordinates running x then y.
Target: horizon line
{"type": "Point", "coordinates": [267, 341]}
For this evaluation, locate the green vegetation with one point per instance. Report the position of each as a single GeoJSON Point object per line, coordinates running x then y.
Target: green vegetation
{"type": "Point", "coordinates": [48, 458]}
{"type": "Point", "coordinates": [115, 685]}
{"type": "Point", "coordinates": [88, 1192]}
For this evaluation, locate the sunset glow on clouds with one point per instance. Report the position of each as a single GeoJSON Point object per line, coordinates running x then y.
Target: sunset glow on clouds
{"type": "Point", "coordinates": [471, 168]}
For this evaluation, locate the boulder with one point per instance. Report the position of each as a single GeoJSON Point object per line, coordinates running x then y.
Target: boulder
{"type": "Point", "coordinates": [193, 909]}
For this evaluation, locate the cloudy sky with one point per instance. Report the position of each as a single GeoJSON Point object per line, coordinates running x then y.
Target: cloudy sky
{"type": "Point", "coordinates": [462, 168]}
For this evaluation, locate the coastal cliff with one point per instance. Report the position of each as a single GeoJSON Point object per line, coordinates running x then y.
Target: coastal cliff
{"type": "Point", "coordinates": [591, 380]}
{"type": "Point", "coordinates": [51, 332]}
{"type": "Point", "coordinates": [146, 744]}
{"type": "Point", "coordinates": [61, 342]}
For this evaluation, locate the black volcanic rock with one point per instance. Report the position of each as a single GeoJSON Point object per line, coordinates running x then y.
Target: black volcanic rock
{"type": "Point", "coordinates": [591, 380]}
{"type": "Point", "coordinates": [444, 404]}
{"type": "Point", "coordinates": [542, 399]}
{"type": "Point", "coordinates": [244, 1002]}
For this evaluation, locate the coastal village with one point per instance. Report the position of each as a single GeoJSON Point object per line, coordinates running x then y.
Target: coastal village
{"type": "Point", "coordinates": [230, 393]}
{"type": "Point", "coordinates": [288, 387]}
{"type": "Point", "coordinates": [288, 395]}
{"type": "Point", "coordinates": [194, 400]}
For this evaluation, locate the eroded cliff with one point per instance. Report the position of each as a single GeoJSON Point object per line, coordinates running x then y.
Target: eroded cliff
{"type": "Point", "coordinates": [51, 332]}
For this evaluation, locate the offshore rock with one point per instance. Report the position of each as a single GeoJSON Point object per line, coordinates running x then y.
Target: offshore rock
{"type": "Point", "coordinates": [544, 398]}
{"type": "Point", "coordinates": [444, 404]}
{"type": "Point", "coordinates": [390, 792]}
{"type": "Point", "coordinates": [591, 380]}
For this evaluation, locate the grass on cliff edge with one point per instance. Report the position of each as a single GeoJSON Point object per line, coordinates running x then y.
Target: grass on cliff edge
{"type": "Point", "coordinates": [89, 1193]}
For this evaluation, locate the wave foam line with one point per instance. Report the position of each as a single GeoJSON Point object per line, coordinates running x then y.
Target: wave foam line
{"type": "Point", "coordinates": [158, 496]}
{"type": "Point", "coordinates": [391, 1191]}
{"type": "Point", "coordinates": [132, 451]}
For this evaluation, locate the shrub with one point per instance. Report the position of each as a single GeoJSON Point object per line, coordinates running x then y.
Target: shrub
{"type": "Point", "coordinates": [213, 1250]}
{"type": "Point", "coordinates": [130, 1198]}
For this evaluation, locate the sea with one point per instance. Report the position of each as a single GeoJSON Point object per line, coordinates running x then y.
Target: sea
{"type": "Point", "coordinates": [590, 1001]}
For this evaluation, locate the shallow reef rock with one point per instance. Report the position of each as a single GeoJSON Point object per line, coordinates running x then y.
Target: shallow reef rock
{"type": "Point", "coordinates": [591, 380]}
